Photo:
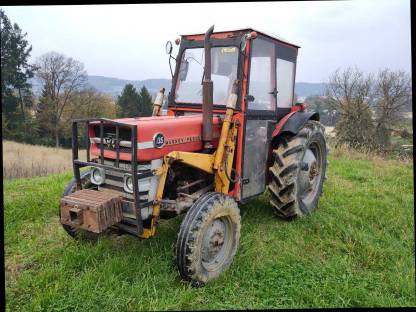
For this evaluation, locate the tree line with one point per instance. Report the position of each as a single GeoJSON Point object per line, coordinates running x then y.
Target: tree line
{"type": "Point", "coordinates": [66, 95]}
{"type": "Point", "coordinates": [365, 108]}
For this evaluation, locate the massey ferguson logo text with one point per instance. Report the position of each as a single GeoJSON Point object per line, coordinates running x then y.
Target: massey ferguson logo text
{"type": "Point", "coordinates": [110, 142]}
{"type": "Point", "coordinates": [183, 140]}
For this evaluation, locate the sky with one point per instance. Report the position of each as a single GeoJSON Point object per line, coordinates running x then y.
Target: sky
{"type": "Point", "coordinates": [128, 41]}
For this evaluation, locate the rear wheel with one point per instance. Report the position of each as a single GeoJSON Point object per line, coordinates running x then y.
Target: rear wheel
{"type": "Point", "coordinates": [208, 238]}
{"type": "Point", "coordinates": [298, 172]}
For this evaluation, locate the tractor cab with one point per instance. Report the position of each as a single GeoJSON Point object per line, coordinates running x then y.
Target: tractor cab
{"type": "Point", "coordinates": [263, 67]}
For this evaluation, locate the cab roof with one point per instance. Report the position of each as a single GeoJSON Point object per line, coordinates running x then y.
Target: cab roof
{"type": "Point", "coordinates": [243, 30]}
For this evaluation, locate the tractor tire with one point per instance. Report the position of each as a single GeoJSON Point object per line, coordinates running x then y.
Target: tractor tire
{"type": "Point", "coordinates": [208, 238]}
{"type": "Point", "coordinates": [298, 172]}
{"type": "Point", "coordinates": [71, 188]}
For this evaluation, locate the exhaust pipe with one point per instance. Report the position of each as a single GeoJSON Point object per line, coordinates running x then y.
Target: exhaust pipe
{"type": "Point", "coordinates": [157, 105]}
{"type": "Point", "coordinates": [207, 93]}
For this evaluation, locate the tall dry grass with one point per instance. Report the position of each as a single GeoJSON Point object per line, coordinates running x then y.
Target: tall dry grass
{"type": "Point", "coordinates": [343, 151]}
{"type": "Point", "coordinates": [25, 160]}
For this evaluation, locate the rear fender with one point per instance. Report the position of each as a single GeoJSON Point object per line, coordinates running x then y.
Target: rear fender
{"type": "Point", "coordinates": [293, 122]}
{"type": "Point", "coordinates": [290, 124]}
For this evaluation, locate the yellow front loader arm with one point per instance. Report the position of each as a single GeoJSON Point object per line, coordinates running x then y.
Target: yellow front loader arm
{"type": "Point", "coordinates": [219, 163]}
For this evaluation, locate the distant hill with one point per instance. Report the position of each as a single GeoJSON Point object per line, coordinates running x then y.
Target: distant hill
{"type": "Point", "coordinates": [309, 88]}
{"type": "Point", "coordinates": [114, 86]}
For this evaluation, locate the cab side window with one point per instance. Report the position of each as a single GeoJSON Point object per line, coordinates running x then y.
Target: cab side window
{"type": "Point", "coordinates": [285, 75]}
{"type": "Point", "coordinates": [262, 69]}
{"type": "Point", "coordinates": [285, 71]}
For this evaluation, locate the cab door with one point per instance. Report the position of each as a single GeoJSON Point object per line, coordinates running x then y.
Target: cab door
{"type": "Point", "coordinates": [269, 98]}
{"type": "Point", "coordinates": [260, 116]}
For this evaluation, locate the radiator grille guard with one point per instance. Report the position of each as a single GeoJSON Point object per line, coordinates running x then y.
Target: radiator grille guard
{"type": "Point", "coordinates": [138, 200]}
{"type": "Point", "coordinates": [109, 134]}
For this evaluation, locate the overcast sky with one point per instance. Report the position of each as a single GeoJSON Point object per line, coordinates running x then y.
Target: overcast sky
{"type": "Point", "coordinates": [127, 41]}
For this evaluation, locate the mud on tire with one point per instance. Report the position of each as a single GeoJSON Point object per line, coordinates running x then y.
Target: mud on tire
{"type": "Point", "coordinates": [208, 238]}
{"type": "Point", "coordinates": [298, 172]}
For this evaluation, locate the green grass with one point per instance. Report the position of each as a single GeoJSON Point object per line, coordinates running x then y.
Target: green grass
{"type": "Point", "coordinates": [357, 249]}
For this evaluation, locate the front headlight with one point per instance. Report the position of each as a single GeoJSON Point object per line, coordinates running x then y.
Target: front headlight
{"type": "Point", "coordinates": [97, 176]}
{"type": "Point", "coordinates": [128, 183]}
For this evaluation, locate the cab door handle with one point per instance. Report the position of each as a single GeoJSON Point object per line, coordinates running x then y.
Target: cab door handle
{"type": "Point", "coordinates": [274, 92]}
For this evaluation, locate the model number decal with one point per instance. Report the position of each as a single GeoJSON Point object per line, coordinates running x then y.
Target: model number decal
{"type": "Point", "coordinates": [158, 140]}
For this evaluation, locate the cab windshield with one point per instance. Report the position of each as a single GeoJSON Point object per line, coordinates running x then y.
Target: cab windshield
{"type": "Point", "coordinates": [224, 62]}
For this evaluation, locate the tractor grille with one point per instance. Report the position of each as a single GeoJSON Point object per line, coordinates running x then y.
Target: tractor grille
{"type": "Point", "coordinates": [124, 134]}
{"type": "Point", "coordinates": [109, 138]}
{"type": "Point", "coordinates": [114, 182]}
{"type": "Point", "coordinates": [114, 179]}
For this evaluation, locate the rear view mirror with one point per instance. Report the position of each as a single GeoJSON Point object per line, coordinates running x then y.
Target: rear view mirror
{"type": "Point", "coordinates": [168, 47]}
{"type": "Point", "coordinates": [184, 70]}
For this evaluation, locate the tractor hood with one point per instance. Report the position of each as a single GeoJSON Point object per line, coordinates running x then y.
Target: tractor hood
{"type": "Point", "coordinates": [156, 136]}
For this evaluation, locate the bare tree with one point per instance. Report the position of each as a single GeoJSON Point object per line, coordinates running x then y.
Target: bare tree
{"type": "Point", "coordinates": [349, 93]}
{"type": "Point", "coordinates": [61, 77]}
{"type": "Point", "coordinates": [393, 91]}
{"type": "Point", "coordinates": [86, 103]}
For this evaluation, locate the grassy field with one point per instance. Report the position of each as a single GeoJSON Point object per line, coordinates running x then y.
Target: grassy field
{"type": "Point", "coordinates": [357, 249]}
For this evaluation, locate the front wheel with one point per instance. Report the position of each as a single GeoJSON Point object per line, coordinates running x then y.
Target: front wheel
{"type": "Point", "coordinates": [208, 238]}
{"type": "Point", "coordinates": [298, 172]}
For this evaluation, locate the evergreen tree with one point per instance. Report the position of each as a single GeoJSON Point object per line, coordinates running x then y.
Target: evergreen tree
{"type": "Point", "coordinates": [128, 102]}
{"type": "Point", "coordinates": [146, 104]}
{"type": "Point", "coordinates": [15, 72]}
{"type": "Point", "coordinates": [44, 115]}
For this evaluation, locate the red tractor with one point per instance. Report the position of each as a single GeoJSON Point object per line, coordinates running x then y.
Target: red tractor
{"type": "Point", "coordinates": [231, 130]}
